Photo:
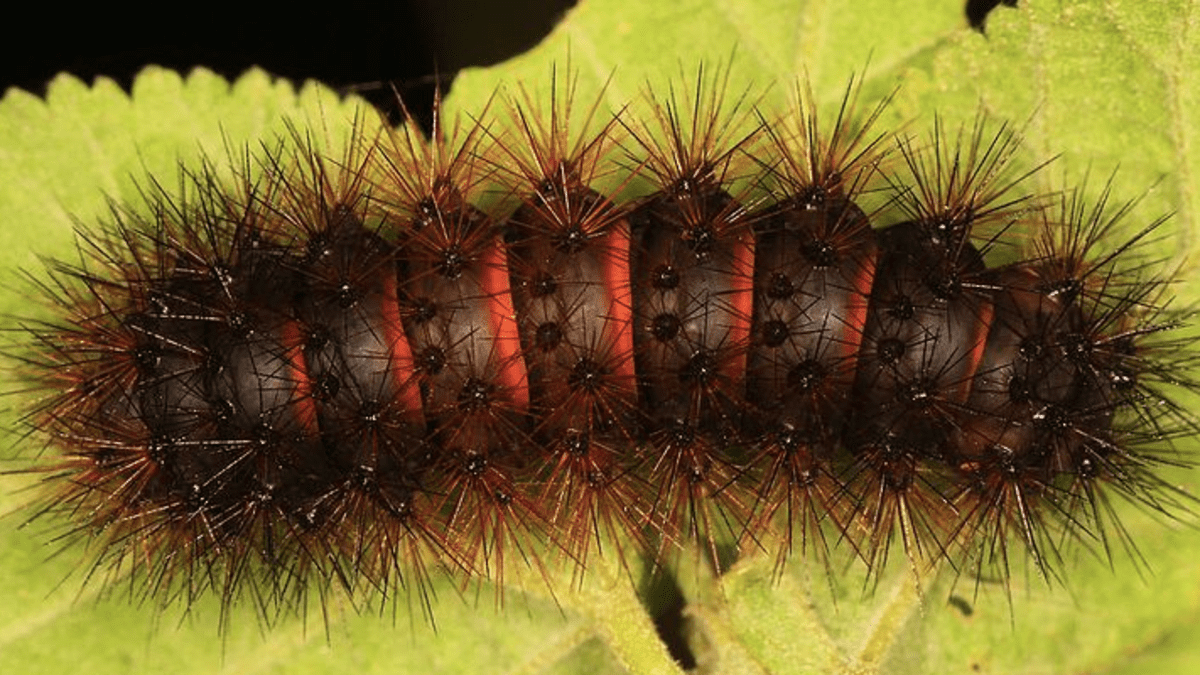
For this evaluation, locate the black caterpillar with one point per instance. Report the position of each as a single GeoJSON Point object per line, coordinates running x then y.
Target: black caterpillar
{"type": "Point", "coordinates": [342, 370]}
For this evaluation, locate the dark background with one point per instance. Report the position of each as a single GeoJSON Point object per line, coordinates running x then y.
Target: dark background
{"type": "Point", "coordinates": [412, 45]}
{"type": "Point", "coordinates": [353, 46]}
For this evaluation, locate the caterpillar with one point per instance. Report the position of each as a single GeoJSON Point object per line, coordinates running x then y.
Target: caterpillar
{"type": "Point", "coordinates": [341, 371]}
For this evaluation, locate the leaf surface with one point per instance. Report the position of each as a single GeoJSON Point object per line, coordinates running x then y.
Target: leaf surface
{"type": "Point", "coordinates": [1099, 84]}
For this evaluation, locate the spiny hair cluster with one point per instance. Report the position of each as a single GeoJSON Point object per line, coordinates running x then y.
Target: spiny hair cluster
{"type": "Point", "coordinates": [347, 371]}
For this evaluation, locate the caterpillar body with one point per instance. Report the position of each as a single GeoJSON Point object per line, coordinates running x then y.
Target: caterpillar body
{"type": "Point", "coordinates": [341, 369]}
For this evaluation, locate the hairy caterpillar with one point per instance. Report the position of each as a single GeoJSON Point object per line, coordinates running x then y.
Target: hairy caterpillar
{"type": "Point", "coordinates": [341, 371]}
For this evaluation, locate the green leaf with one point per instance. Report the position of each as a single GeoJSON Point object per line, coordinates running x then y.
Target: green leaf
{"type": "Point", "coordinates": [1101, 84]}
